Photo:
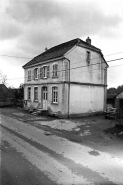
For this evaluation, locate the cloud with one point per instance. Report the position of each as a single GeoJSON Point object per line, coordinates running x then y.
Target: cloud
{"type": "Point", "coordinates": [45, 23]}
{"type": "Point", "coordinates": [71, 20]}
{"type": "Point", "coordinates": [9, 30]}
{"type": "Point", "coordinates": [30, 11]}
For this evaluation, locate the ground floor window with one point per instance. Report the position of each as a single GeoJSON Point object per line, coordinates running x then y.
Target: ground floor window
{"type": "Point", "coordinates": [55, 94]}
{"type": "Point", "coordinates": [35, 93]}
{"type": "Point", "coordinates": [29, 93]}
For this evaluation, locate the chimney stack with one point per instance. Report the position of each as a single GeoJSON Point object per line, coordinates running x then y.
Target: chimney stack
{"type": "Point", "coordinates": [88, 40]}
{"type": "Point", "coordinates": [46, 49]}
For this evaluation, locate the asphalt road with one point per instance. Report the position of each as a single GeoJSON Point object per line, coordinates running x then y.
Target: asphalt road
{"type": "Point", "coordinates": [32, 156]}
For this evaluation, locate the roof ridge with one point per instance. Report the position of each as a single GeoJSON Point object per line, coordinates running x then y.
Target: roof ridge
{"type": "Point", "coordinates": [59, 51]}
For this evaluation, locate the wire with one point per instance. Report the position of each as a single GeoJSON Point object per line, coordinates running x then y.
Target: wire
{"type": "Point", "coordinates": [115, 60]}
{"type": "Point", "coordinates": [72, 63]}
{"type": "Point", "coordinates": [37, 55]}
{"type": "Point", "coordinates": [77, 68]}
{"type": "Point", "coordinates": [15, 56]}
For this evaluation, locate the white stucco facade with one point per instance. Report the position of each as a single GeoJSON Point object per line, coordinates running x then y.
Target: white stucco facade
{"type": "Point", "coordinates": [81, 85]}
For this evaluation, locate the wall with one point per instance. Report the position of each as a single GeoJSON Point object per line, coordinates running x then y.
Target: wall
{"type": "Point", "coordinates": [119, 101]}
{"type": "Point", "coordinates": [86, 99]}
{"type": "Point", "coordinates": [45, 80]}
{"type": "Point", "coordinates": [89, 73]}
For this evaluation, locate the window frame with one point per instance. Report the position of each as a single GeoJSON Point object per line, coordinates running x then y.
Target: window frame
{"type": "Point", "coordinates": [88, 56]}
{"type": "Point", "coordinates": [36, 73]}
{"type": "Point", "coordinates": [55, 94]}
{"type": "Point", "coordinates": [29, 75]}
{"type": "Point", "coordinates": [29, 93]}
{"type": "Point", "coordinates": [35, 95]}
{"type": "Point", "coordinates": [54, 70]}
{"type": "Point", "coordinates": [44, 71]}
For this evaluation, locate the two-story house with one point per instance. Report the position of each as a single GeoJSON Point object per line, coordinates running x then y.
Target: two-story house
{"type": "Point", "coordinates": [67, 80]}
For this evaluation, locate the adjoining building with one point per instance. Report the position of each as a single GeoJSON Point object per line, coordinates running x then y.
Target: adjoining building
{"type": "Point", "coordinates": [67, 80]}
{"type": "Point", "coordinates": [119, 100]}
{"type": "Point", "coordinates": [5, 96]}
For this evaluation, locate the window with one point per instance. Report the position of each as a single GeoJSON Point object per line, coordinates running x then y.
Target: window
{"type": "Point", "coordinates": [35, 93]}
{"type": "Point", "coordinates": [54, 94]}
{"type": "Point", "coordinates": [29, 93]}
{"type": "Point", "coordinates": [36, 73]}
{"type": "Point", "coordinates": [55, 71]}
{"type": "Point", "coordinates": [88, 56]}
{"type": "Point", "coordinates": [29, 75]}
{"type": "Point", "coordinates": [45, 72]}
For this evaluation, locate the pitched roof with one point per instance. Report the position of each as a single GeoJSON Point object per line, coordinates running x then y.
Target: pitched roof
{"type": "Point", "coordinates": [4, 92]}
{"type": "Point", "coordinates": [111, 96]}
{"type": "Point", "coordinates": [120, 91]}
{"type": "Point", "coordinates": [3, 87]}
{"type": "Point", "coordinates": [59, 51]}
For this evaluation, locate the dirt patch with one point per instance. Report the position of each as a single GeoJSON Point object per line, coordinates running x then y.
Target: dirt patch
{"type": "Point", "coordinates": [117, 131]}
{"type": "Point", "coordinates": [94, 152]}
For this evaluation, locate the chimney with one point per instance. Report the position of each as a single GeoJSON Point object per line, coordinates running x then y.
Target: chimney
{"type": "Point", "coordinates": [88, 40]}
{"type": "Point", "coordinates": [46, 49]}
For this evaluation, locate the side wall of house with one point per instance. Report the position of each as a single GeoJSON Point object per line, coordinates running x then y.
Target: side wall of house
{"type": "Point", "coordinates": [83, 71]}
{"type": "Point", "coordinates": [86, 100]}
{"type": "Point", "coordinates": [88, 82]}
{"type": "Point", "coordinates": [119, 101]}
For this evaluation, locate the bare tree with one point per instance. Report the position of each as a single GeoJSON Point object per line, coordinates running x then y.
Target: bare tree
{"type": "Point", "coordinates": [3, 78]}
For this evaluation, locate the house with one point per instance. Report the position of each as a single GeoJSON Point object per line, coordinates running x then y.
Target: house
{"type": "Point", "coordinates": [67, 80]}
{"type": "Point", "coordinates": [119, 100]}
{"type": "Point", "coordinates": [111, 99]}
{"type": "Point", "coordinates": [5, 96]}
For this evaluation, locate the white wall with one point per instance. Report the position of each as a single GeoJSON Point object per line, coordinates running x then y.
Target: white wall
{"type": "Point", "coordinates": [88, 74]}
{"type": "Point", "coordinates": [86, 99]}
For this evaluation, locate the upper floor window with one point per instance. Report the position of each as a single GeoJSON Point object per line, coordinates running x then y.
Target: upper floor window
{"type": "Point", "coordinates": [29, 75]}
{"type": "Point", "coordinates": [35, 93]}
{"type": "Point", "coordinates": [55, 70]}
{"type": "Point", "coordinates": [36, 73]}
{"type": "Point", "coordinates": [44, 72]}
{"type": "Point", "coordinates": [88, 56]}
{"type": "Point", "coordinates": [29, 93]}
{"type": "Point", "coordinates": [54, 94]}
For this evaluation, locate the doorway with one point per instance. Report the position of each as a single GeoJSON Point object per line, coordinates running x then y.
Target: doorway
{"type": "Point", "coordinates": [44, 97]}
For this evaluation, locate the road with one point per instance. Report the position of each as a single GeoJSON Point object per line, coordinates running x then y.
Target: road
{"type": "Point", "coordinates": [32, 156]}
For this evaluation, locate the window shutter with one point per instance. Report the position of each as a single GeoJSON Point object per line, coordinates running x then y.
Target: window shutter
{"type": "Point", "coordinates": [66, 71]}
{"type": "Point", "coordinates": [30, 75]}
{"type": "Point", "coordinates": [57, 70]}
{"type": "Point", "coordinates": [33, 76]}
{"type": "Point", "coordinates": [27, 75]}
{"type": "Point", "coordinates": [52, 70]}
{"type": "Point", "coordinates": [41, 73]}
{"type": "Point", "coordinates": [48, 71]}
{"type": "Point", "coordinates": [52, 94]}
{"type": "Point", "coordinates": [38, 73]}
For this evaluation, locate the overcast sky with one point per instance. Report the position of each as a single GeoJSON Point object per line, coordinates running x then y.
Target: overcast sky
{"type": "Point", "coordinates": [27, 27]}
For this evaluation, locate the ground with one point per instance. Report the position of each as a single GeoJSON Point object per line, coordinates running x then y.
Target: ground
{"type": "Point", "coordinates": [45, 150]}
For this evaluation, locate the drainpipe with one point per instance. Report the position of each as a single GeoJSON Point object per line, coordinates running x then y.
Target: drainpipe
{"type": "Point", "coordinates": [68, 87]}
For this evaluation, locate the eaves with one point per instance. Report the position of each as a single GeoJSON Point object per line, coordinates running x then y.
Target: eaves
{"type": "Point", "coordinates": [43, 62]}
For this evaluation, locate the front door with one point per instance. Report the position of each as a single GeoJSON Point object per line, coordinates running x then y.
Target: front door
{"type": "Point", "coordinates": [44, 97]}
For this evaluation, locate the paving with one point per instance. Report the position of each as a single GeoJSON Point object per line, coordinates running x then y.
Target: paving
{"type": "Point", "coordinates": [74, 151]}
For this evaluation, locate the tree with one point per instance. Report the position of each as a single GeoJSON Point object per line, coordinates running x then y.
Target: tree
{"type": "Point", "coordinates": [3, 78]}
{"type": "Point", "coordinates": [111, 90]}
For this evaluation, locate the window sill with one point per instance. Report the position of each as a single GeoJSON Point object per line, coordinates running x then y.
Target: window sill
{"type": "Point", "coordinates": [53, 103]}
{"type": "Point", "coordinates": [54, 76]}
{"type": "Point", "coordinates": [36, 101]}
{"type": "Point", "coordinates": [29, 100]}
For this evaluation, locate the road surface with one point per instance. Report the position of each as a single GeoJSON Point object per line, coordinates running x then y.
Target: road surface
{"type": "Point", "coordinates": [32, 156]}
